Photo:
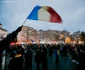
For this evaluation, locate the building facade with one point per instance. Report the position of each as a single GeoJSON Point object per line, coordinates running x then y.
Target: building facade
{"type": "Point", "coordinates": [27, 34]}
{"type": "Point", "coordinates": [3, 32]}
{"type": "Point", "coordinates": [30, 34]}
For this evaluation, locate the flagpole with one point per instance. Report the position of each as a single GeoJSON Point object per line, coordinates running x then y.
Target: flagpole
{"type": "Point", "coordinates": [24, 22]}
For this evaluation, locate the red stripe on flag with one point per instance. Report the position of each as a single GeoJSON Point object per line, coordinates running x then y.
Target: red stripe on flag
{"type": "Point", "coordinates": [54, 16]}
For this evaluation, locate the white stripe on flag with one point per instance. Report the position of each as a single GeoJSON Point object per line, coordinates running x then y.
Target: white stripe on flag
{"type": "Point", "coordinates": [43, 15]}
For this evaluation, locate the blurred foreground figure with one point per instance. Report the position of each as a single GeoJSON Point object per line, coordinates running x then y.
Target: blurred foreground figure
{"type": "Point", "coordinates": [28, 59]}
{"type": "Point", "coordinates": [5, 42]}
{"type": "Point", "coordinates": [16, 62]}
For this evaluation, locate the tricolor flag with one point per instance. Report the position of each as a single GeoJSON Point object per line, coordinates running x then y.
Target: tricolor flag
{"type": "Point", "coordinates": [44, 13]}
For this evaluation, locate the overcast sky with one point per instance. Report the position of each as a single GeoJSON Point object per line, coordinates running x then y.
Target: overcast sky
{"type": "Point", "coordinates": [14, 12]}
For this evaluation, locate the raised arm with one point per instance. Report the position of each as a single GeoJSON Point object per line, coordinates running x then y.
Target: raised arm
{"type": "Point", "coordinates": [5, 42]}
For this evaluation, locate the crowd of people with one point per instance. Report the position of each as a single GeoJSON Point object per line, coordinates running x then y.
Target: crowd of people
{"type": "Point", "coordinates": [4, 44]}
{"type": "Point", "coordinates": [23, 55]}
{"type": "Point", "coordinates": [20, 56]}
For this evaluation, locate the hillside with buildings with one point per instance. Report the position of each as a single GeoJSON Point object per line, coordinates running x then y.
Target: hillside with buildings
{"type": "Point", "coordinates": [30, 34]}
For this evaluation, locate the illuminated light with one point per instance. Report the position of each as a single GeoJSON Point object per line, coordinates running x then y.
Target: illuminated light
{"type": "Point", "coordinates": [67, 40]}
{"type": "Point", "coordinates": [12, 43]}
{"type": "Point", "coordinates": [18, 43]}
{"type": "Point", "coordinates": [74, 42]}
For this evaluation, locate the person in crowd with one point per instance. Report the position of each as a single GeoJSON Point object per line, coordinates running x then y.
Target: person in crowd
{"type": "Point", "coordinates": [50, 50]}
{"type": "Point", "coordinates": [16, 62]}
{"type": "Point", "coordinates": [81, 59]}
{"type": "Point", "coordinates": [61, 49]}
{"type": "Point", "coordinates": [28, 59]}
{"type": "Point", "coordinates": [12, 54]}
{"type": "Point", "coordinates": [4, 44]}
{"type": "Point", "coordinates": [64, 51]}
{"type": "Point", "coordinates": [44, 57]}
{"type": "Point", "coordinates": [56, 55]}
{"type": "Point", "coordinates": [19, 46]}
{"type": "Point", "coordinates": [38, 58]}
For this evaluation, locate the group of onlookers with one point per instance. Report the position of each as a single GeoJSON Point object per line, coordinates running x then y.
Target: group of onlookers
{"type": "Point", "coordinates": [23, 57]}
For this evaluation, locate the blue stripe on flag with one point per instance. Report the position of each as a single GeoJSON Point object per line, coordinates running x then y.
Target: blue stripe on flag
{"type": "Point", "coordinates": [34, 14]}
